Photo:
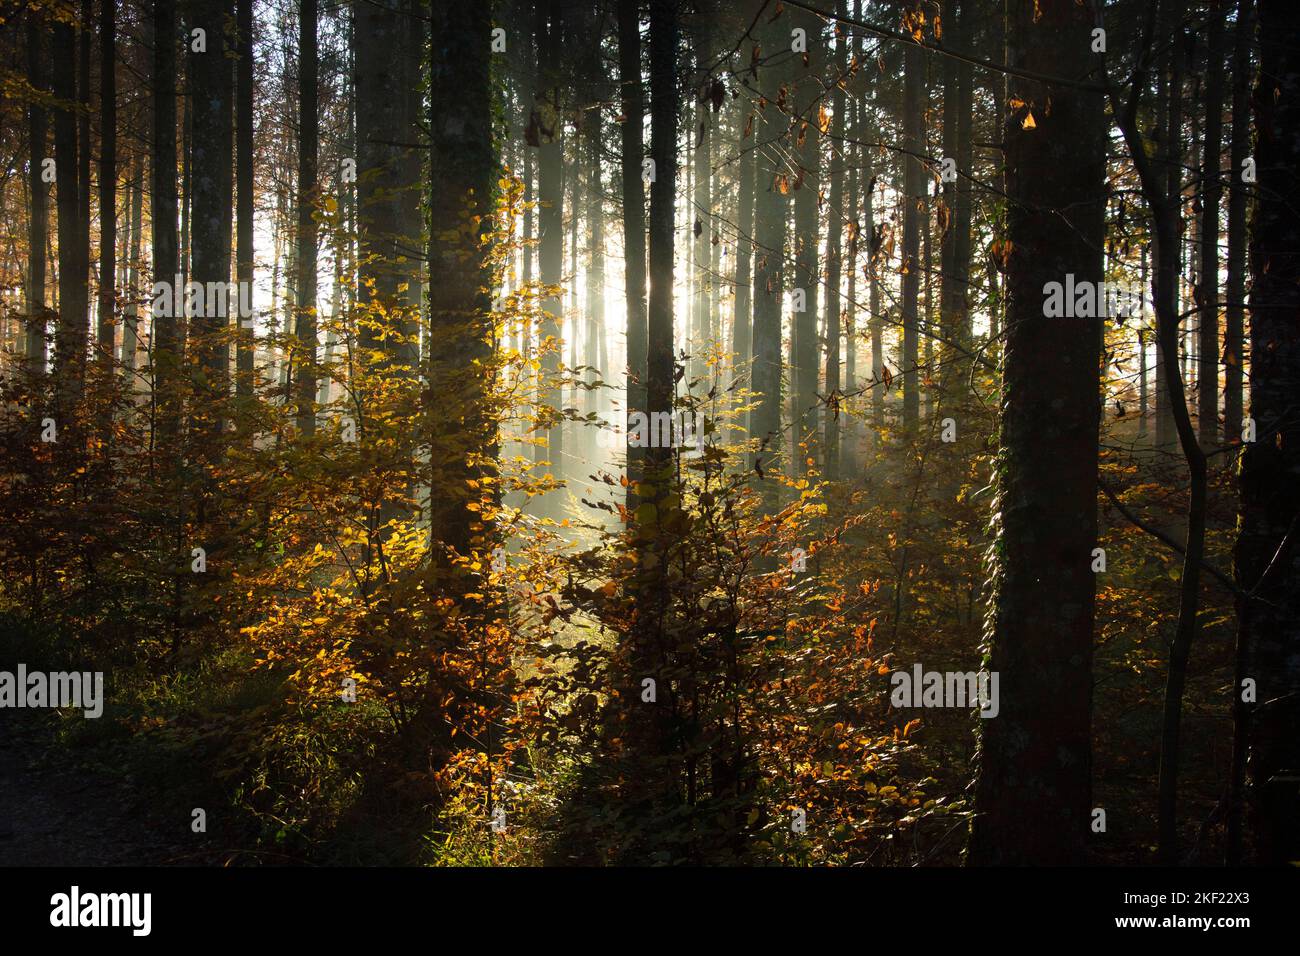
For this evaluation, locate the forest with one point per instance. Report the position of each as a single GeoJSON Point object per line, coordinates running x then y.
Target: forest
{"type": "Point", "coordinates": [590, 433]}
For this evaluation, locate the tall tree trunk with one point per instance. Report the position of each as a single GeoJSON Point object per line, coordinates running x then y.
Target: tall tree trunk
{"type": "Point", "coordinates": [463, 171]}
{"type": "Point", "coordinates": [1266, 564]}
{"type": "Point", "coordinates": [86, 30]}
{"type": "Point", "coordinates": [742, 319]}
{"type": "Point", "coordinates": [386, 54]}
{"type": "Point", "coordinates": [107, 182]}
{"type": "Point", "coordinates": [245, 211]}
{"type": "Point", "coordinates": [210, 210]}
{"type": "Point", "coordinates": [308, 136]}
{"type": "Point", "coordinates": [834, 250]}
{"type": "Point", "coordinates": [1234, 321]}
{"type": "Point", "coordinates": [651, 722]}
{"type": "Point", "coordinates": [1232, 392]}
{"type": "Point", "coordinates": [913, 79]}
{"type": "Point", "coordinates": [70, 337]}
{"type": "Point", "coordinates": [1171, 13]}
{"type": "Point", "coordinates": [634, 223]}
{"type": "Point", "coordinates": [772, 184]}
{"type": "Point", "coordinates": [852, 427]}
{"type": "Point", "coordinates": [165, 338]}
{"type": "Point", "coordinates": [550, 225]}
{"type": "Point", "coordinates": [807, 274]}
{"type": "Point", "coordinates": [131, 320]}
{"type": "Point", "coordinates": [1211, 174]}
{"type": "Point", "coordinates": [961, 214]}
{"type": "Point", "coordinates": [1033, 789]}
{"type": "Point", "coordinates": [595, 308]}
{"type": "Point", "coordinates": [701, 213]}
{"type": "Point", "coordinates": [38, 224]}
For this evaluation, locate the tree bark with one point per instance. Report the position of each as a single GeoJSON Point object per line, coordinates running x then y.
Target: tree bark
{"type": "Point", "coordinates": [1266, 562]}
{"type": "Point", "coordinates": [1211, 176]}
{"type": "Point", "coordinates": [807, 275]}
{"type": "Point", "coordinates": [210, 209]}
{"type": "Point", "coordinates": [107, 183]}
{"type": "Point", "coordinates": [308, 195]}
{"type": "Point", "coordinates": [461, 205]}
{"type": "Point", "coordinates": [244, 197]}
{"type": "Point", "coordinates": [634, 223]}
{"type": "Point", "coordinates": [913, 196]}
{"type": "Point", "coordinates": [165, 338]}
{"type": "Point", "coordinates": [1234, 319]}
{"type": "Point", "coordinates": [38, 224]}
{"type": "Point", "coordinates": [1033, 788]}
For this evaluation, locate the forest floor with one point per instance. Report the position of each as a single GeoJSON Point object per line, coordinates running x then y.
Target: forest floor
{"type": "Point", "coordinates": [54, 812]}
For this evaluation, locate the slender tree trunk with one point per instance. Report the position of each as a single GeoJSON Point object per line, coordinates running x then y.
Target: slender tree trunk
{"type": "Point", "coordinates": [70, 337]}
{"type": "Point", "coordinates": [308, 136]}
{"type": "Point", "coordinates": [807, 274]}
{"type": "Point", "coordinates": [595, 257]}
{"type": "Point", "coordinates": [1270, 511]}
{"type": "Point", "coordinates": [131, 321]}
{"type": "Point", "coordinates": [210, 95]}
{"type": "Point", "coordinates": [38, 225]}
{"type": "Point", "coordinates": [550, 189]}
{"type": "Point", "coordinates": [245, 212]}
{"type": "Point", "coordinates": [1234, 358]}
{"type": "Point", "coordinates": [107, 182]}
{"type": "Point", "coordinates": [1172, 13]}
{"type": "Point", "coordinates": [834, 252]}
{"type": "Point", "coordinates": [634, 223]}
{"type": "Point", "coordinates": [912, 198]}
{"type": "Point", "coordinates": [1232, 392]}
{"type": "Point", "coordinates": [772, 185]}
{"type": "Point", "coordinates": [164, 338]}
{"type": "Point", "coordinates": [86, 30]}
{"type": "Point", "coordinates": [1211, 191]}
{"type": "Point", "coordinates": [1033, 790]}
{"type": "Point", "coordinates": [742, 320]}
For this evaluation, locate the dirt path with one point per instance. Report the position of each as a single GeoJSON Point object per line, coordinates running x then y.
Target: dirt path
{"type": "Point", "coordinates": [53, 813]}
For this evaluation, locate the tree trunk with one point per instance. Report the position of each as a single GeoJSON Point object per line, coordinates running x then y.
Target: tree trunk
{"type": "Point", "coordinates": [1270, 512]}
{"type": "Point", "coordinates": [634, 224]}
{"type": "Point", "coordinates": [772, 183]}
{"type": "Point", "coordinates": [1232, 393]}
{"type": "Point", "coordinates": [550, 219]}
{"type": "Point", "coordinates": [1171, 12]}
{"type": "Point", "coordinates": [1234, 320]}
{"type": "Point", "coordinates": [807, 274]}
{"type": "Point", "coordinates": [210, 207]}
{"type": "Point", "coordinates": [463, 174]}
{"type": "Point", "coordinates": [1033, 788]}
{"type": "Point", "coordinates": [308, 136]}
{"type": "Point", "coordinates": [131, 320]}
{"type": "Point", "coordinates": [1212, 189]}
{"type": "Point", "coordinates": [107, 183]}
{"type": "Point", "coordinates": [70, 337]}
{"type": "Point", "coordinates": [164, 339]}
{"type": "Point", "coordinates": [834, 252]}
{"type": "Point", "coordinates": [742, 318]}
{"type": "Point", "coordinates": [913, 197]}
{"type": "Point", "coordinates": [38, 225]}
{"type": "Point", "coordinates": [244, 196]}
{"type": "Point", "coordinates": [386, 57]}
